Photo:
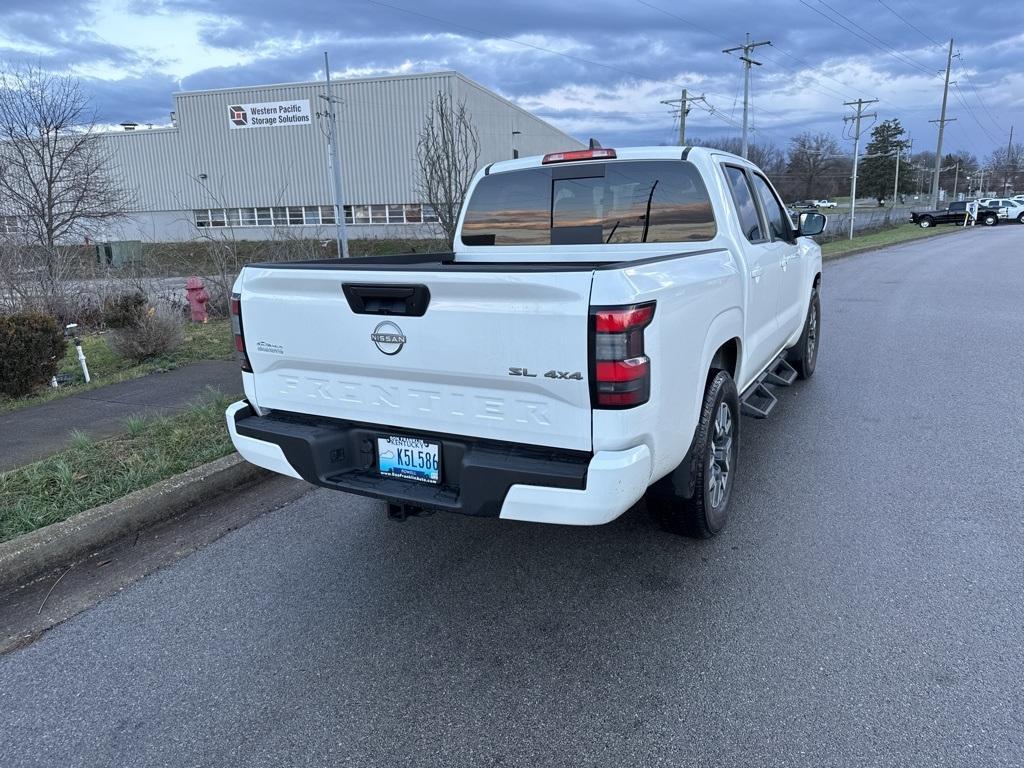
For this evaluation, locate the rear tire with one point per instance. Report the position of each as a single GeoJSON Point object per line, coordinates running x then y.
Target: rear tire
{"type": "Point", "coordinates": [713, 461]}
{"type": "Point", "coordinates": [804, 355]}
{"type": "Point", "coordinates": [989, 219]}
{"type": "Point", "coordinates": [1020, 219]}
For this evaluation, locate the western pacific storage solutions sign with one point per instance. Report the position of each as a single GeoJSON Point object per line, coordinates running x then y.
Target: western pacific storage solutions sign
{"type": "Point", "coordinates": [269, 114]}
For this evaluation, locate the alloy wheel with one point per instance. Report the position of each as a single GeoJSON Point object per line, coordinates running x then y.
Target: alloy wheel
{"type": "Point", "coordinates": [720, 460]}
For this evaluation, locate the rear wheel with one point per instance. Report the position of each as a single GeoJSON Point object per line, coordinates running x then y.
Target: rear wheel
{"type": "Point", "coordinates": [925, 221]}
{"type": "Point", "coordinates": [712, 465]}
{"type": "Point", "coordinates": [804, 355]}
{"type": "Point", "coordinates": [989, 219]}
{"type": "Point", "coordinates": [1020, 219]}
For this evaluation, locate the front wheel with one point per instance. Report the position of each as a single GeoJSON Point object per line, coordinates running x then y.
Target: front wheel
{"type": "Point", "coordinates": [990, 220]}
{"type": "Point", "coordinates": [924, 222]}
{"type": "Point", "coordinates": [804, 355]}
{"type": "Point", "coordinates": [1020, 219]}
{"type": "Point", "coordinates": [711, 462]}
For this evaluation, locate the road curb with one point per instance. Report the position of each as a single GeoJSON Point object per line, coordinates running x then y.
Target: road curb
{"type": "Point", "coordinates": [62, 543]}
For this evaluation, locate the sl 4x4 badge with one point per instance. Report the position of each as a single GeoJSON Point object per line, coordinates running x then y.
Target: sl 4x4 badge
{"type": "Point", "coordinates": [574, 376]}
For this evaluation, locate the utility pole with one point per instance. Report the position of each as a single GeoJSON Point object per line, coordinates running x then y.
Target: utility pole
{"type": "Point", "coordinates": [956, 177]}
{"type": "Point", "coordinates": [859, 105]}
{"type": "Point", "coordinates": [942, 126]}
{"type": "Point", "coordinates": [747, 48]}
{"type": "Point", "coordinates": [1009, 151]}
{"type": "Point", "coordinates": [684, 109]}
{"type": "Point", "coordinates": [334, 159]}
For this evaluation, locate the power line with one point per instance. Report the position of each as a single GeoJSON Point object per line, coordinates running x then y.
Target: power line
{"type": "Point", "coordinates": [898, 16]}
{"type": "Point", "coordinates": [714, 112]}
{"type": "Point", "coordinates": [880, 45]}
{"type": "Point", "coordinates": [959, 94]}
{"type": "Point", "coordinates": [970, 82]}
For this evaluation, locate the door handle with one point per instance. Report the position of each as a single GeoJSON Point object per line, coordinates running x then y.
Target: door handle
{"type": "Point", "coordinates": [756, 272]}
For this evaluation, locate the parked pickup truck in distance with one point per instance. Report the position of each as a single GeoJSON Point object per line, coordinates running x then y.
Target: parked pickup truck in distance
{"type": "Point", "coordinates": [956, 213]}
{"type": "Point", "coordinates": [603, 320]}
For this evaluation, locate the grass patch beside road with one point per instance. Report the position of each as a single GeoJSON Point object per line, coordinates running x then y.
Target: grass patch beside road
{"type": "Point", "coordinates": [882, 238]}
{"type": "Point", "coordinates": [89, 473]}
{"type": "Point", "coordinates": [210, 341]}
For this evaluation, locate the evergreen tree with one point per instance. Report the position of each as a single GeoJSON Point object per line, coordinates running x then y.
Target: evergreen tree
{"type": "Point", "coordinates": [877, 172]}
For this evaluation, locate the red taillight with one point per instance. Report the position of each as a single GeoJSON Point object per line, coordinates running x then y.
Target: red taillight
{"type": "Point", "coordinates": [236, 330]}
{"type": "Point", "coordinates": [579, 154]}
{"type": "Point", "coordinates": [618, 320]}
{"type": "Point", "coordinates": [620, 371]}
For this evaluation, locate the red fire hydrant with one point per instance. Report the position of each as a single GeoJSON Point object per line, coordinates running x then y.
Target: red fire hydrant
{"type": "Point", "coordinates": [197, 297]}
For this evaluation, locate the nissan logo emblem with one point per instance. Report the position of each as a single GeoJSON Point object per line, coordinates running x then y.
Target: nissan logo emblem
{"type": "Point", "coordinates": [388, 337]}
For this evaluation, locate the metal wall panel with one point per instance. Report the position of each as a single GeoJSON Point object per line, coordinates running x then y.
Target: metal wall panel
{"type": "Point", "coordinates": [203, 163]}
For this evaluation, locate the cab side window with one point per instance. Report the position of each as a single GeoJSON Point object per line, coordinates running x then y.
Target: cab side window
{"type": "Point", "coordinates": [746, 208]}
{"type": "Point", "coordinates": [778, 220]}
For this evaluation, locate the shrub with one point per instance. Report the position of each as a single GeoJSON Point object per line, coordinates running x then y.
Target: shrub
{"type": "Point", "coordinates": [123, 310]}
{"type": "Point", "coordinates": [156, 332]}
{"type": "Point", "coordinates": [31, 346]}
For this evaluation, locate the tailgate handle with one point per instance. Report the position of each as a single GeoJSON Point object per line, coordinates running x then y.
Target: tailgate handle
{"type": "Point", "coordinates": [407, 300]}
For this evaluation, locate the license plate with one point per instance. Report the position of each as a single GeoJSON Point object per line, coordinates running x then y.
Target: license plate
{"type": "Point", "coordinates": [409, 458]}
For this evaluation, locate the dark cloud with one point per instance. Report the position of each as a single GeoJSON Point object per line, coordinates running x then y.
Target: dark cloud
{"type": "Point", "coordinates": [819, 59]}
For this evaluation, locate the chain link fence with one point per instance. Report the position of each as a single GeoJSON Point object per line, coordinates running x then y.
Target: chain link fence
{"type": "Point", "coordinates": [865, 220]}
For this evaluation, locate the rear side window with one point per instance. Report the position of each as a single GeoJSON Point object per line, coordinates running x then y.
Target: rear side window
{"type": "Point", "coordinates": [642, 201]}
{"type": "Point", "coordinates": [746, 209]}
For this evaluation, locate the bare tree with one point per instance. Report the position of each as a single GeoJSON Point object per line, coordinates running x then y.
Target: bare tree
{"type": "Point", "coordinates": [815, 165]}
{"type": "Point", "coordinates": [1007, 164]}
{"type": "Point", "coordinates": [57, 183]}
{"type": "Point", "coordinates": [447, 155]}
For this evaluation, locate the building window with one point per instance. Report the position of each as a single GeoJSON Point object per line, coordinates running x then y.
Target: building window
{"type": "Point", "coordinates": [296, 216]}
{"type": "Point", "coordinates": [9, 225]}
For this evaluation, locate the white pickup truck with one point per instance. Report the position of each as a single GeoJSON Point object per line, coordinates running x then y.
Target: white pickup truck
{"type": "Point", "coordinates": [604, 319]}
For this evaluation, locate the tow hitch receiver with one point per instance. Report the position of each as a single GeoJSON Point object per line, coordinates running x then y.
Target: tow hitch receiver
{"type": "Point", "coordinates": [399, 512]}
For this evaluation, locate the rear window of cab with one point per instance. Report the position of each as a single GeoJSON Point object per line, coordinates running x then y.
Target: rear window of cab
{"type": "Point", "coordinates": [625, 201]}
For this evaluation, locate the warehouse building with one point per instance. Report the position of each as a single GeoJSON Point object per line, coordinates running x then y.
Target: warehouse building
{"type": "Point", "coordinates": [252, 163]}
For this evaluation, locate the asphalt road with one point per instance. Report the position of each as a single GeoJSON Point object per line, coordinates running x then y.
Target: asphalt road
{"type": "Point", "coordinates": [863, 608]}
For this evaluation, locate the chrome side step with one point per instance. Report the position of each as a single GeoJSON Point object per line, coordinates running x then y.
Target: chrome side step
{"type": "Point", "coordinates": [758, 400]}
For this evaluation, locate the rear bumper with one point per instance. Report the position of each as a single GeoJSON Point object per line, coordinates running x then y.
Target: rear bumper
{"type": "Point", "coordinates": [479, 477]}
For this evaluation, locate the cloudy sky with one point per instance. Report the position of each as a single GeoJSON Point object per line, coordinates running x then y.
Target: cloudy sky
{"type": "Point", "coordinates": [594, 69]}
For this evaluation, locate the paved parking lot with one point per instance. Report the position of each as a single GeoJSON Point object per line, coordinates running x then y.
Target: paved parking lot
{"type": "Point", "coordinates": [862, 609]}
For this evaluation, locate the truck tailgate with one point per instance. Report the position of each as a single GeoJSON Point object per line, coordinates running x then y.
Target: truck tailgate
{"type": "Point", "coordinates": [495, 355]}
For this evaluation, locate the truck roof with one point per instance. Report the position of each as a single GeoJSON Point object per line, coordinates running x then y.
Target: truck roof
{"type": "Point", "coordinates": [621, 153]}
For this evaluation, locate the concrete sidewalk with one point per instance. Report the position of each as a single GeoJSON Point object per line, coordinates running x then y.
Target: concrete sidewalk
{"type": "Point", "coordinates": [33, 433]}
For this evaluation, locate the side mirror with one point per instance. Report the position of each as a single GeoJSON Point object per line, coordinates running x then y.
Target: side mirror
{"type": "Point", "coordinates": [811, 224]}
